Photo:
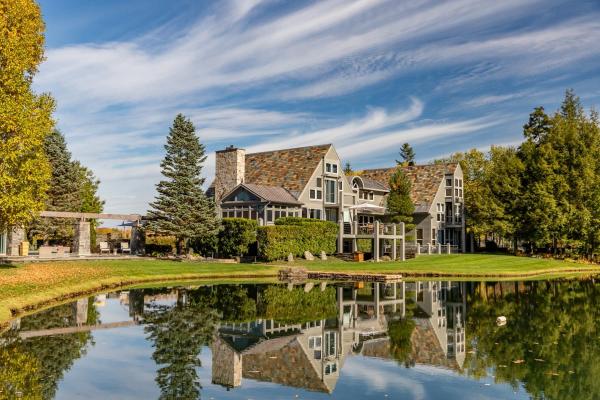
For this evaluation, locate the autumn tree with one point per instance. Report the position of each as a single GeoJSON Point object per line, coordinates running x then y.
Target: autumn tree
{"type": "Point", "coordinates": [25, 117]}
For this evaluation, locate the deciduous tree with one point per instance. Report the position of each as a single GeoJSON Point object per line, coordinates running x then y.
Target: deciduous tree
{"type": "Point", "coordinates": [25, 117]}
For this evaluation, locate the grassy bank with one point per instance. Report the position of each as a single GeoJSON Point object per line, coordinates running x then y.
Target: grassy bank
{"type": "Point", "coordinates": [23, 287]}
{"type": "Point", "coordinates": [460, 265]}
{"type": "Point", "coordinates": [29, 286]}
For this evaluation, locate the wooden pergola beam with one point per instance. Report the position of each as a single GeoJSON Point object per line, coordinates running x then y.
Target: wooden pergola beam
{"type": "Point", "coordinates": [85, 216]}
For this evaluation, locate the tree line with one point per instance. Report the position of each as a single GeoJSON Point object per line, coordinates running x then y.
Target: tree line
{"type": "Point", "coordinates": [544, 193]}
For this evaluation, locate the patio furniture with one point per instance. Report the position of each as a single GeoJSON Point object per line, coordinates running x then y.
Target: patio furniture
{"type": "Point", "coordinates": [104, 248]}
{"type": "Point", "coordinates": [125, 248]}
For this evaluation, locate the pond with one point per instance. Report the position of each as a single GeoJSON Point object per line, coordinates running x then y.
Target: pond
{"type": "Point", "coordinates": [408, 340]}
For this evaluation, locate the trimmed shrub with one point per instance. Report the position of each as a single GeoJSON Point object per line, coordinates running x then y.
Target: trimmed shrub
{"type": "Point", "coordinates": [297, 221]}
{"type": "Point", "coordinates": [277, 241]}
{"type": "Point", "coordinates": [158, 249]}
{"type": "Point", "coordinates": [236, 236]}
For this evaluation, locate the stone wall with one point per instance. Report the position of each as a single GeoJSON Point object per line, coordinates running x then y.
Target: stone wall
{"type": "Point", "coordinates": [229, 172]}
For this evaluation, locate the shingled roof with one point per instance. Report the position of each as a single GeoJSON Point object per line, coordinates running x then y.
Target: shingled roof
{"type": "Point", "coordinates": [288, 168]}
{"type": "Point", "coordinates": [425, 179]}
{"type": "Point", "coordinates": [272, 194]}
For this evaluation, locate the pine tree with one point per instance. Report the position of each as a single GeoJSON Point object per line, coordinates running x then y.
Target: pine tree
{"type": "Point", "coordinates": [399, 204]}
{"type": "Point", "coordinates": [181, 208]}
{"type": "Point", "coordinates": [407, 154]}
{"type": "Point", "coordinates": [63, 193]}
{"type": "Point", "coordinates": [348, 168]}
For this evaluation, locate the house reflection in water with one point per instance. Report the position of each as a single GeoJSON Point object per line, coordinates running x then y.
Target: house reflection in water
{"type": "Point", "coordinates": [311, 355]}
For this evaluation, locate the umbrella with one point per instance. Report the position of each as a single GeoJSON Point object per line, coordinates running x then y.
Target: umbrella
{"type": "Point", "coordinates": [367, 207]}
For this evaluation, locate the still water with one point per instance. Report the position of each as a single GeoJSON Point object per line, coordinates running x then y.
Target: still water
{"type": "Point", "coordinates": [409, 340]}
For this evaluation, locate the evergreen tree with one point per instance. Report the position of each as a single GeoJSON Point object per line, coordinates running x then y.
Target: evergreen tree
{"type": "Point", "coordinates": [181, 208]}
{"type": "Point", "coordinates": [63, 193]}
{"type": "Point", "coordinates": [348, 168]}
{"type": "Point", "coordinates": [407, 155]}
{"type": "Point", "coordinates": [25, 117]}
{"type": "Point", "coordinates": [399, 204]}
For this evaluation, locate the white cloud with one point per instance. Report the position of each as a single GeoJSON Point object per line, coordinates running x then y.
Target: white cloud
{"type": "Point", "coordinates": [234, 67]}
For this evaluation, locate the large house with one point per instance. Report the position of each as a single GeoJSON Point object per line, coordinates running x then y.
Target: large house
{"type": "Point", "coordinates": [309, 182]}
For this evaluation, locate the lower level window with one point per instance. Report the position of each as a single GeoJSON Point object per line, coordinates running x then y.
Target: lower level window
{"type": "Point", "coordinates": [315, 213]}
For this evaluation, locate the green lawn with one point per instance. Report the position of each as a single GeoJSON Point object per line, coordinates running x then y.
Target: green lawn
{"type": "Point", "coordinates": [30, 286]}
{"type": "Point", "coordinates": [471, 265]}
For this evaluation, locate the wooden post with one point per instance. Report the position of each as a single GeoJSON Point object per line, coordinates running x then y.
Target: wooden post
{"type": "Point", "coordinates": [448, 251]}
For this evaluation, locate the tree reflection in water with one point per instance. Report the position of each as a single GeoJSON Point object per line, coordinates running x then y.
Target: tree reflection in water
{"type": "Point", "coordinates": [550, 345]}
{"type": "Point", "coordinates": [178, 333]}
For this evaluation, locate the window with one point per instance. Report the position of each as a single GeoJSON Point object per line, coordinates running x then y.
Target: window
{"type": "Point", "coordinates": [371, 196]}
{"type": "Point", "coordinates": [331, 168]}
{"type": "Point", "coordinates": [330, 191]}
{"type": "Point", "coordinates": [330, 345]}
{"type": "Point", "coordinates": [315, 213]}
{"type": "Point", "coordinates": [456, 192]}
{"type": "Point", "coordinates": [330, 368]}
{"type": "Point", "coordinates": [304, 212]}
{"type": "Point", "coordinates": [270, 215]}
{"type": "Point", "coordinates": [448, 192]}
{"type": "Point", "coordinates": [449, 182]}
{"type": "Point", "coordinates": [433, 237]}
{"type": "Point", "coordinates": [316, 194]}
{"type": "Point", "coordinates": [314, 342]}
{"type": "Point", "coordinates": [420, 236]}
{"type": "Point", "coordinates": [319, 182]}
{"type": "Point", "coordinates": [456, 182]}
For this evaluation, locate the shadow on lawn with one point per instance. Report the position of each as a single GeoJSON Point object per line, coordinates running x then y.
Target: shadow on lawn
{"type": "Point", "coordinates": [7, 266]}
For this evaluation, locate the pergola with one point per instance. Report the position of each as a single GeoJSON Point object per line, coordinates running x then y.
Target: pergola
{"type": "Point", "coordinates": [81, 240]}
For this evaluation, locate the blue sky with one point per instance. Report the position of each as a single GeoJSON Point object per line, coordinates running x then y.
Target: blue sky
{"type": "Point", "coordinates": [365, 75]}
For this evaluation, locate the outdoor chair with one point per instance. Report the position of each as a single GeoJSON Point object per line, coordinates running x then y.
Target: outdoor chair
{"type": "Point", "coordinates": [125, 248]}
{"type": "Point", "coordinates": [104, 248]}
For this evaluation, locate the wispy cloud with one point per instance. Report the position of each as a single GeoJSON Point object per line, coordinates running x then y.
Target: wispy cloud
{"type": "Point", "coordinates": [266, 75]}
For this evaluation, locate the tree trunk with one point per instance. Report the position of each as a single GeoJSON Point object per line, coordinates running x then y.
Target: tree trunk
{"type": "Point", "coordinates": [180, 246]}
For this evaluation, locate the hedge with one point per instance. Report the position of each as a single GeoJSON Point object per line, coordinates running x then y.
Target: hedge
{"type": "Point", "coordinates": [297, 306]}
{"type": "Point", "coordinates": [236, 236]}
{"type": "Point", "coordinates": [277, 241]}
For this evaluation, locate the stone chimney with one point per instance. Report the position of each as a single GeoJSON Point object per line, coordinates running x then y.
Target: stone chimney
{"type": "Point", "coordinates": [229, 172]}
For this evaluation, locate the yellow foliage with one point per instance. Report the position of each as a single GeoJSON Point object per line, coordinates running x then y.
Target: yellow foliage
{"type": "Point", "coordinates": [19, 375]}
{"type": "Point", "coordinates": [25, 118]}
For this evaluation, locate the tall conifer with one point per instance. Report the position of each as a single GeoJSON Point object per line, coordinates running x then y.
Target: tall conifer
{"type": "Point", "coordinates": [181, 208]}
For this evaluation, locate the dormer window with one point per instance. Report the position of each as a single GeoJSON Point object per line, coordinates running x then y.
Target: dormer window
{"type": "Point", "coordinates": [331, 168]}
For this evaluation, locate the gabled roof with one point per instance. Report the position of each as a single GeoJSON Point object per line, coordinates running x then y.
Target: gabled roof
{"type": "Point", "coordinates": [286, 364]}
{"type": "Point", "coordinates": [371, 184]}
{"type": "Point", "coordinates": [271, 194]}
{"type": "Point", "coordinates": [425, 179]}
{"type": "Point", "coordinates": [288, 168]}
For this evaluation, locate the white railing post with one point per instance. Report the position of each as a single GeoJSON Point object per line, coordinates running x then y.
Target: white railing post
{"type": "Point", "coordinates": [439, 248]}
{"type": "Point", "coordinates": [428, 248]}
{"type": "Point", "coordinates": [394, 243]}
{"type": "Point", "coordinates": [403, 245]}
{"type": "Point", "coordinates": [376, 244]}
